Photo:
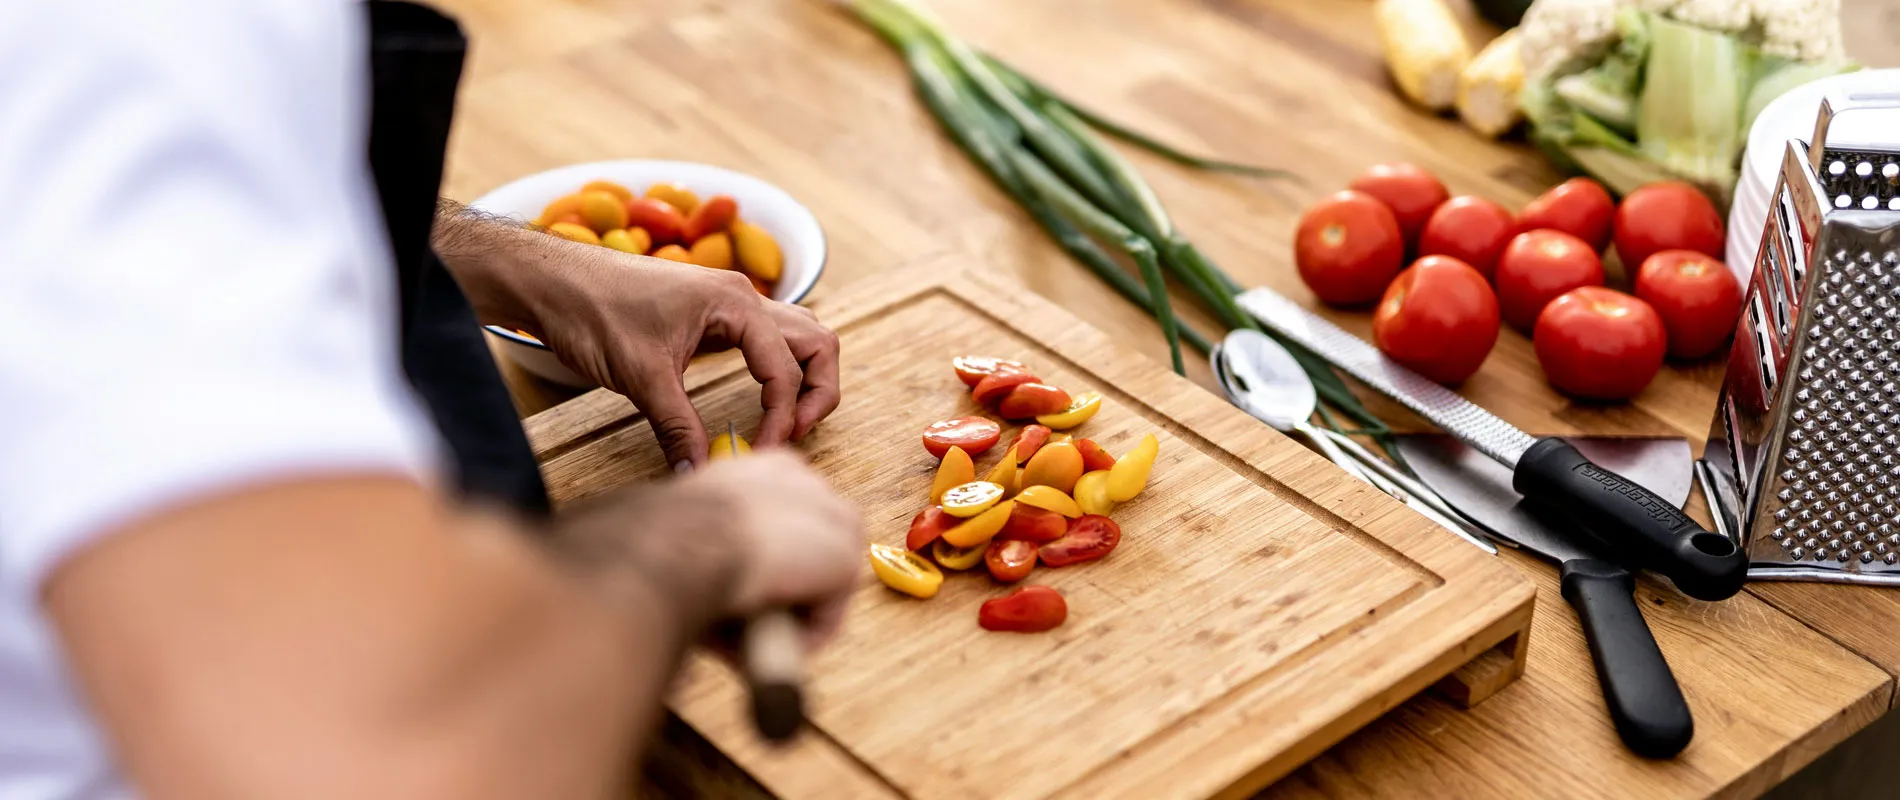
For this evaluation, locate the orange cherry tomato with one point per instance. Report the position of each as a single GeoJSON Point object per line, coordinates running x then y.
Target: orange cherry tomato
{"type": "Point", "coordinates": [1032, 524]}
{"type": "Point", "coordinates": [978, 530]}
{"type": "Point", "coordinates": [955, 470]}
{"type": "Point", "coordinates": [994, 387]}
{"type": "Point", "coordinates": [1028, 610]}
{"type": "Point", "coordinates": [663, 222]}
{"type": "Point", "coordinates": [673, 252]}
{"type": "Point", "coordinates": [1028, 440]}
{"type": "Point", "coordinates": [1006, 474]}
{"type": "Point", "coordinates": [1027, 400]}
{"type": "Point", "coordinates": [973, 434]}
{"type": "Point", "coordinates": [1093, 456]}
{"type": "Point", "coordinates": [1010, 560]}
{"type": "Point", "coordinates": [971, 369]}
{"type": "Point", "coordinates": [712, 216]}
{"type": "Point", "coordinates": [927, 526]}
{"type": "Point", "coordinates": [1057, 465]}
{"type": "Point", "coordinates": [603, 211]}
{"type": "Point", "coordinates": [562, 207]}
{"type": "Point", "coordinates": [1090, 537]}
{"type": "Point", "coordinates": [609, 187]}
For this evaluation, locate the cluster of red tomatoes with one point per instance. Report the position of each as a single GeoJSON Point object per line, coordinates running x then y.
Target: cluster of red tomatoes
{"type": "Point", "coordinates": [1540, 271]}
{"type": "Point", "coordinates": [1046, 501]}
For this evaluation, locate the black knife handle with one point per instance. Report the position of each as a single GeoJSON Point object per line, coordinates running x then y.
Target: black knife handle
{"type": "Point", "coordinates": [1632, 524]}
{"type": "Point", "coordinates": [1645, 701]}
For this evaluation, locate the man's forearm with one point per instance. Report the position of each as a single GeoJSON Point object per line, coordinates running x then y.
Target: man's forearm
{"type": "Point", "coordinates": [504, 267]}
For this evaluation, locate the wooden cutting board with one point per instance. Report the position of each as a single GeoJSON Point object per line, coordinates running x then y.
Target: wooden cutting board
{"type": "Point", "coordinates": [1262, 604]}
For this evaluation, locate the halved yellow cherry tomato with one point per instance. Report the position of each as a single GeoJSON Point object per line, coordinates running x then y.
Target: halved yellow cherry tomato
{"type": "Point", "coordinates": [1091, 493]}
{"type": "Point", "coordinates": [1005, 474]}
{"type": "Point", "coordinates": [956, 469]}
{"type": "Point", "coordinates": [1130, 473]}
{"type": "Point", "coordinates": [954, 557]}
{"type": "Point", "coordinates": [1055, 464]}
{"type": "Point", "coordinates": [1080, 408]}
{"type": "Point", "coordinates": [1050, 498]}
{"type": "Point", "coordinates": [905, 571]}
{"type": "Point", "coordinates": [724, 447]}
{"type": "Point", "coordinates": [971, 499]}
{"type": "Point", "coordinates": [978, 530]}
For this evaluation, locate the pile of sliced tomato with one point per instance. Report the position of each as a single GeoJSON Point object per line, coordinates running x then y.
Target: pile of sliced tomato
{"type": "Point", "coordinates": [1045, 501]}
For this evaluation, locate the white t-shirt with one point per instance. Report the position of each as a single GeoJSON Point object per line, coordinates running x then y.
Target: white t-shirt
{"type": "Point", "coordinates": [195, 293]}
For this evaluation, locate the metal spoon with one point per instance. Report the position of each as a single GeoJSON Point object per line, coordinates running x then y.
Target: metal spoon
{"type": "Point", "coordinates": [1263, 379]}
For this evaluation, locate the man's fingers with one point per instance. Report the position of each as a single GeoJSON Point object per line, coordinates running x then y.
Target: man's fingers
{"type": "Point", "coordinates": [817, 348]}
{"type": "Point", "coordinates": [770, 360]}
{"type": "Point", "coordinates": [675, 422]}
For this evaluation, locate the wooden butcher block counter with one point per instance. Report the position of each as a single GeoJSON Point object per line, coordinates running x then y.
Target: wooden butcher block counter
{"type": "Point", "coordinates": [796, 92]}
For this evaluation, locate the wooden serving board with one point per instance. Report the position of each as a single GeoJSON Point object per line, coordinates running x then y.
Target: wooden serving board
{"type": "Point", "coordinates": [1262, 604]}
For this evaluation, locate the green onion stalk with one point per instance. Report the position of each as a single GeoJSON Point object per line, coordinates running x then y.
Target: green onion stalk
{"type": "Point", "coordinates": [1048, 154]}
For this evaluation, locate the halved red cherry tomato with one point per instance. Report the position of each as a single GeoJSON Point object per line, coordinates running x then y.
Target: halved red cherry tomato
{"type": "Point", "coordinates": [993, 387]}
{"type": "Point", "coordinates": [1029, 523]}
{"type": "Point", "coordinates": [1093, 456]}
{"type": "Point", "coordinates": [1030, 399]}
{"type": "Point", "coordinates": [1029, 440]}
{"type": "Point", "coordinates": [1090, 537]}
{"type": "Point", "coordinates": [972, 369]}
{"type": "Point", "coordinates": [929, 524]}
{"type": "Point", "coordinates": [973, 434]}
{"type": "Point", "coordinates": [1027, 610]}
{"type": "Point", "coordinates": [1010, 560]}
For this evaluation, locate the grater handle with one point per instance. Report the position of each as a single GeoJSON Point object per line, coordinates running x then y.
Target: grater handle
{"type": "Point", "coordinates": [1632, 524]}
{"type": "Point", "coordinates": [1645, 701]}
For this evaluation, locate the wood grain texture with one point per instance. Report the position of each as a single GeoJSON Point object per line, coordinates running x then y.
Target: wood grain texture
{"type": "Point", "coordinates": [1261, 606]}
{"type": "Point", "coordinates": [797, 93]}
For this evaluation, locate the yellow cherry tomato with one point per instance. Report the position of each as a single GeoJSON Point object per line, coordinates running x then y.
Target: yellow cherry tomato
{"type": "Point", "coordinates": [574, 232]}
{"type": "Point", "coordinates": [1091, 493]}
{"type": "Point", "coordinates": [1080, 408]}
{"type": "Point", "coordinates": [906, 571]}
{"type": "Point", "coordinates": [757, 251]}
{"type": "Point", "coordinates": [959, 558]}
{"type": "Point", "coordinates": [978, 530]}
{"type": "Point", "coordinates": [955, 470]}
{"type": "Point", "coordinates": [561, 207]}
{"type": "Point", "coordinates": [1049, 498]}
{"type": "Point", "coordinates": [674, 195]}
{"type": "Point", "coordinates": [603, 211]}
{"type": "Point", "coordinates": [1055, 464]}
{"type": "Point", "coordinates": [713, 250]}
{"type": "Point", "coordinates": [628, 240]}
{"type": "Point", "coordinates": [723, 446]}
{"type": "Point", "coordinates": [1005, 474]}
{"type": "Point", "coordinates": [971, 499]}
{"type": "Point", "coordinates": [673, 252]}
{"type": "Point", "coordinates": [1130, 474]}
{"type": "Point", "coordinates": [609, 187]}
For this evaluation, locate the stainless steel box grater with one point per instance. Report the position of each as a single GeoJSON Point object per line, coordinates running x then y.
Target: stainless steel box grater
{"type": "Point", "coordinates": [1802, 467]}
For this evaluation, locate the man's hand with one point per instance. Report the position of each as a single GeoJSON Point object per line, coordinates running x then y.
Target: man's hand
{"type": "Point", "coordinates": [632, 323]}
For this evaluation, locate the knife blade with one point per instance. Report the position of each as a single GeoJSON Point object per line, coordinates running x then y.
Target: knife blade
{"type": "Point", "coordinates": [1622, 518]}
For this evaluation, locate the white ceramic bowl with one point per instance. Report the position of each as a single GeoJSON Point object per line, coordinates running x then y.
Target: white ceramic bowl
{"type": "Point", "coordinates": [760, 203]}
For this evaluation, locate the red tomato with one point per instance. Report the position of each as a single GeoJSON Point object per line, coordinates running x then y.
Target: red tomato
{"type": "Point", "coordinates": [994, 386]}
{"type": "Point", "coordinates": [1696, 296]}
{"type": "Point", "coordinates": [1093, 456]}
{"type": "Point", "coordinates": [1407, 189]}
{"type": "Point", "coordinates": [1439, 318]}
{"type": "Point", "coordinates": [1029, 609]}
{"type": "Point", "coordinates": [1580, 207]}
{"type": "Point", "coordinates": [1670, 215]}
{"type": "Point", "coordinates": [1348, 247]}
{"type": "Point", "coordinates": [1599, 343]}
{"type": "Point", "coordinates": [929, 524]}
{"type": "Point", "coordinates": [1539, 265]}
{"type": "Point", "coordinates": [1090, 537]}
{"type": "Point", "coordinates": [1471, 229]}
{"type": "Point", "coordinates": [1032, 399]}
{"type": "Point", "coordinates": [1010, 560]}
{"type": "Point", "coordinates": [661, 221]}
{"type": "Point", "coordinates": [1029, 440]}
{"type": "Point", "coordinates": [971, 369]}
{"type": "Point", "coordinates": [973, 434]}
{"type": "Point", "coordinates": [1032, 524]}
{"type": "Point", "coordinates": [710, 217]}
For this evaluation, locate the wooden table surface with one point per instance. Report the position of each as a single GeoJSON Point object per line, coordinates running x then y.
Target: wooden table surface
{"type": "Point", "coordinates": [798, 93]}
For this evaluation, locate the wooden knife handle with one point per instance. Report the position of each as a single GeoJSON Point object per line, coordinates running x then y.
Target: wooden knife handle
{"type": "Point", "coordinates": [773, 659]}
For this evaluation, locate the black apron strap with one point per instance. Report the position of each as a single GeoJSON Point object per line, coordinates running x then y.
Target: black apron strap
{"type": "Point", "coordinates": [415, 62]}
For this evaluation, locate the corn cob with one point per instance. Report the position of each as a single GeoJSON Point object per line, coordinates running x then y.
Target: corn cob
{"type": "Point", "coordinates": [1424, 49]}
{"type": "Point", "coordinates": [1488, 88]}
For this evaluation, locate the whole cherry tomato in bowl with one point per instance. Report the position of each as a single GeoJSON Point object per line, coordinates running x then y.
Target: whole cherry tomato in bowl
{"type": "Point", "coordinates": [1580, 207]}
{"type": "Point", "coordinates": [1696, 296]}
{"type": "Point", "coordinates": [1348, 247]}
{"type": "Point", "coordinates": [1471, 229]}
{"type": "Point", "coordinates": [1410, 191]}
{"type": "Point", "coordinates": [1539, 265]}
{"type": "Point", "coordinates": [1439, 318]}
{"type": "Point", "coordinates": [1599, 344]}
{"type": "Point", "coordinates": [1668, 215]}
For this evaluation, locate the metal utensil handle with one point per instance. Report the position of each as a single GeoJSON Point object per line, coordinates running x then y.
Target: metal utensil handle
{"type": "Point", "coordinates": [1330, 451]}
{"type": "Point", "coordinates": [1631, 522]}
{"type": "Point", "coordinates": [1645, 702]}
{"type": "Point", "coordinates": [1414, 492]}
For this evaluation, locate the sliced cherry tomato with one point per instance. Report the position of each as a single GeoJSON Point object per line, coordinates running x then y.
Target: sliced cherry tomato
{"type": "Point", "coordinates": [970, 499]}
{"type": "Point", "coordinates": [1050, 498]}
{"type": "Point", "coordinates": [982, 527]}
{"type": "Point", "coordinates": [1669, 215]}
{"type": "Point", "coordinates": [1410, 191]}
{"type": "Point", "coordinates": [994, 387]}
{"type": "Point", "coordinates": [1130, 473]}
{"type": "Point", "coordinates": [1079, 411]}
{"type": "Point", "coordinates": [1471, 229]}
{"type": "Point", "coordinates": [1010, 560]}
{"type": "Point", "coordinates": [1599, 343]}
{"type": "Point", "coordinates": [972, 369]}
{"type": "Point", "coordinates": [1028, 441]}
{"type": "Point", "coordinates": [1697, 297]}
{"type": "Point", "coordinates": [973, 434]}
{"type": "Point", "coordinates": [929, 524]}
{"type": "Point", "coordinates": [1439, 318]}
{"type": "Point", "coordinates": [1090, 537]}
{"type": "Point", "coordinates": [1539, 265]}
{"type": "Point", "coordinates": [1029, 523]}
{"type": "Point", "coordinates": [1580, 207]}
{"type": "Point", "coordinates": [1031, 399]}
{"type": "Point", "coordinates": [1093, 456]}
{"type": "Point", "coordinates": [1057, 464]}
{"type": "Point", "coordinates": [1006, 474]}
{"type": "Point", "coordinates": [1347, 248]}
{"type": "Point", "coordinates": [905, 571]}
{"type": "Point", "coordinates": [956, 469]}
{"type": "Point", "coordinates": [951, 556]}
{"type": "Point", "coordinates": [1031, 609]}
{"type": "Point", "coordinates": [1091, 493]}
